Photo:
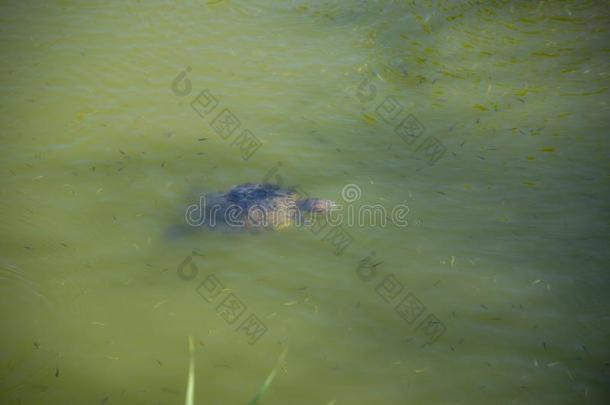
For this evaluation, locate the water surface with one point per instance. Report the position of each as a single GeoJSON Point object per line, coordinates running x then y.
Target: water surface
{"type": "Point", "coordinates": [494, 292]}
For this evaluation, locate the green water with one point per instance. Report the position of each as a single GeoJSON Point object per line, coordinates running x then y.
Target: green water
{"type": "Point", "coordinates": [504, 172]}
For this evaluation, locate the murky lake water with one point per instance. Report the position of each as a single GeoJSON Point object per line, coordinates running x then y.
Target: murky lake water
{"type": "Point", "coordinates": [487, 120]}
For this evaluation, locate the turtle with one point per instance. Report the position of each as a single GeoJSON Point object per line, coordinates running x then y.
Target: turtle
{"type": "Point", "coordinates": [255, 206]}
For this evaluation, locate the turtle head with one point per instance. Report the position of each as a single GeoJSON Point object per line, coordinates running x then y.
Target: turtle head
{"type": "Point", "coordinates": [315, 205]}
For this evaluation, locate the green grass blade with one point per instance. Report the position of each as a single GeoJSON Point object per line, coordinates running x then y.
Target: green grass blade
{"type": "Point", "coordinates": [269, 379]}
{"type": "Point", "coordinates": [190, 386]}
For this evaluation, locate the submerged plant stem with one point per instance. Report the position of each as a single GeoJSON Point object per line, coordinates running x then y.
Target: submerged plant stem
{"type": "Point", "coordinates": [190, 385]}
{"type": "Point", "coordinates": [269, 379]}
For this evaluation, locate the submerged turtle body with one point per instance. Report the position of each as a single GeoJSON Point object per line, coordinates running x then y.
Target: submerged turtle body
{"type": "Point", "coordinates": [258, 205]}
